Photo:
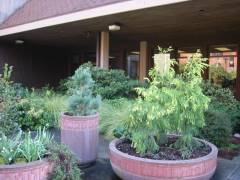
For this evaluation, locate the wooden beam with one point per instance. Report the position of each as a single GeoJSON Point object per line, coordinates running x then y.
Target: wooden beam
{"type": "Point", "coordinates": [104, 50]}
{"type": "Point", "coordinates": [143, 60]}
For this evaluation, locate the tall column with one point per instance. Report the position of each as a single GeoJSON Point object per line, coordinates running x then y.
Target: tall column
{"type": "Point", "coordinates": [104, 50]}
{"type": "Point", "coordinates": [143, 60]}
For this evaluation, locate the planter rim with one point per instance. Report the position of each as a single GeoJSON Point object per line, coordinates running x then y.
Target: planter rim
{"type": "Point", "coordinates": [211, 155]}
{"type": "Point", "coordinates": [83, 117]}
{"type": "Point", "coordinates": [24, 165]}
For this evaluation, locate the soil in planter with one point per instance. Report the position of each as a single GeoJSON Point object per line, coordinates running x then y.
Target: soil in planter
{"type": "Point", "coordinates": [166, 152]}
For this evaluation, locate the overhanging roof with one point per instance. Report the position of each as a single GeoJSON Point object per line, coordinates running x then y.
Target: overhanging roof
{"type": "Point", "coordinates": [41, 13]}
{"type": "Point", "coordinates": [195, 21]}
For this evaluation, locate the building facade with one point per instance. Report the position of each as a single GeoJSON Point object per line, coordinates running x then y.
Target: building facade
{"type": "Point", "coordinates": [46, 40]}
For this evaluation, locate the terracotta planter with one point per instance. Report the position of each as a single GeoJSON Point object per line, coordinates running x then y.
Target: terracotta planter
{"type": "Point", "coordinates": [80, 134]}
{"type": "Point", "coordinates": [134, 168]}
{"type": "Point", "coordinates": [37, 170]}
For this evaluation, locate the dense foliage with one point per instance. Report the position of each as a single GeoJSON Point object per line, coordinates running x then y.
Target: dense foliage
{"type": "Point", "coordinates": [219, 76]}
{"type": "Point", "coordinates": [82, 102]}
{"type": "Point", "coordinates": [23, 147]}
{"type": "Point", "coordinates": [27, 109]}
{"type": "Point", "coordinates": [223, 100]}
{"type": "Point", "coordinates": [40, 109]}
{"type": "Point", "coordinates": [218, 129]}
{"type": "Point", "coordinates": [172, 103]}
{"type": "Point", "coordinates": [10, 94]}
{"type": "Point", "coordinates": [112, 114]}
{"type": "Point", "coordinates": [109, 84]}
{"type": "Point", "coordinates": [65, 163]}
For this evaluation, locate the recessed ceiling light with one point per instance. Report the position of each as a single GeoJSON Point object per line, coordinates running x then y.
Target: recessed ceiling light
{"type": "Point", "coordinates": [114, 27]}
{"type": "Point", "coordinates": [135, 52]}
{"type": "Point", "coordinates": [181, 51]}
{"type": "Point", "coordinates": [19, 41]}
{"type": "Point", "coordinates": [222, 49]}
{"type": "Point", "coordinates": [112, 57]}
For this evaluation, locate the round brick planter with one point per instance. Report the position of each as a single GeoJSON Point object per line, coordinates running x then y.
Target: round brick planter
{"type": "Point", "coordinates": [37, 170]}
{"type": "Point", "coordinates": [80, 134]}
{"type": "Point", "coordinates": [130, 167]}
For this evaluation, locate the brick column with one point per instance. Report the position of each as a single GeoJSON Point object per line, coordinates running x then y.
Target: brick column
{"type": "Point", "coordinates": [143, 60]}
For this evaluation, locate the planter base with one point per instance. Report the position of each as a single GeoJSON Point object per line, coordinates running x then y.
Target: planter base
{"type": "Point", "coordinates": [37, 170]}
{"type": "Point", "coordinates": [130, 167]}
{"type": "Point", "coordinates": [80, 135]}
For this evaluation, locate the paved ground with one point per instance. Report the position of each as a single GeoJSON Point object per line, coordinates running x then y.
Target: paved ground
{"type": "Point", "coordinates": [101, 170]}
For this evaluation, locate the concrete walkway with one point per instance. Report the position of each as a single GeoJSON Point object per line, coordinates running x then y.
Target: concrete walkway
{"type": "Point", "coordinates": [226, 169]}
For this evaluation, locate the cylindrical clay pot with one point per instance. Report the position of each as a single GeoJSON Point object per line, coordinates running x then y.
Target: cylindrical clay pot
{"type": "Point", "coordinates": [80, 134]}
{"type": "Point", "coordinates": [135, 168]}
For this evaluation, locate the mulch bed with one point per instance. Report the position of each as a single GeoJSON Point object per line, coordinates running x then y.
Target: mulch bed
{"type": "Point", "coordinates": [166, 152]}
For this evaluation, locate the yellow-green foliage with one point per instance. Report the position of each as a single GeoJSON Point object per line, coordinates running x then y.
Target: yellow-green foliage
{"type": "Point", "coordinates": [172, 104]}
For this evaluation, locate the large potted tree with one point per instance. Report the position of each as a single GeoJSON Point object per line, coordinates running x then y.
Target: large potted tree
{"type": "Point", "coordinates": [79, 126]}
{"type": "Point", "coordinates": [158, 140]}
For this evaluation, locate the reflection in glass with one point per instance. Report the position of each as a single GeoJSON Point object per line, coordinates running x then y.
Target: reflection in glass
{"type": "Point", "coordinates": [223, 65]}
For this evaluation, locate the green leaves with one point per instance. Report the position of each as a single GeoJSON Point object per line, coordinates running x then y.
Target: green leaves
{"type": "Point", "coordinates": [82, 102]}
{"type": "Point", "coordinates": [172, 104]}
{"type": "Point", "coordinates": [24, 146]}
{"type": "Point", "coordinates": [65, 163]}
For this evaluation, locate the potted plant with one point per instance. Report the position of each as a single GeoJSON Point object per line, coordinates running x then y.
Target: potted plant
{"type": "Point", "coordinates": [40, 158]}
{"type": "Point", "coordinates": [79, 126]}
{"type": "Point", "coordinates": [173, 103]}
{"type": "Point", "coordinates": [24, 157]}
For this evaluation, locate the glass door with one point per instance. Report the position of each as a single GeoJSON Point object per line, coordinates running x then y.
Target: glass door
{"type": "Point", "coordinates": [133, 64]}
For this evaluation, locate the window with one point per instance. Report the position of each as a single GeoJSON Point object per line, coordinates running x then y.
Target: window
{"type": "Point", "coordinates": [223, 65]}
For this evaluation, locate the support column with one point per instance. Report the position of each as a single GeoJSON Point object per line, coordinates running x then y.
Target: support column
{"type": "Point", "coordinates": [104, 50]}
{"type": "Point", "coordinates": [143, 60]}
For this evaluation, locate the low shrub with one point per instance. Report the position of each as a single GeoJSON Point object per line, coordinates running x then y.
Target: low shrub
{"type": "Point", "coordinates": [218, 129]}
{"type": "Point", "coordinates": [66, 165]}
{"type": "Point", "coordinates": [109, 84]}
{"type": "Point", "coordinates": [222, 99]}
{"type": "Point", "coordinates": [10, 94]}
{"type": "Point", "coordinates": [40, 109]}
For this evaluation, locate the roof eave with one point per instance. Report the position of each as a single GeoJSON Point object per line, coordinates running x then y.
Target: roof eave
{"type": "Point", "coordinates": [88, 14]}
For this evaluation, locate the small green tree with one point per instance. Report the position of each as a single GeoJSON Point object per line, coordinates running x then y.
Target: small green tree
{"type": "Point", "coordinates": [82, 102]}
{"type": "Point", "coordinates": [173, 103]}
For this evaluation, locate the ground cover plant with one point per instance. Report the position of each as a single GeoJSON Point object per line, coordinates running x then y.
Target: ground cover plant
{"type": "Point", "coordinates": [172, 103]}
